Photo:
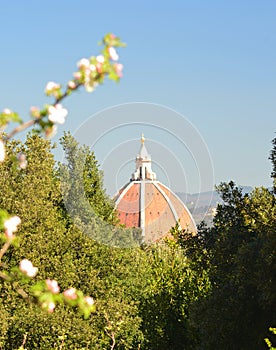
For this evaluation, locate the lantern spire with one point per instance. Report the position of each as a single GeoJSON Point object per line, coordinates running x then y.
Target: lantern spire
{"type": "Point", "coordinates": [143, 164]}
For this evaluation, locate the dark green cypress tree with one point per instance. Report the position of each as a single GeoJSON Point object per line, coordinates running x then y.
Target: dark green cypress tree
{"type": "Point", "coordinates": [273, 160]}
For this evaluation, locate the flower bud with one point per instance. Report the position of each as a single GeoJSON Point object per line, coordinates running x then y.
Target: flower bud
{"type": "Point", "coordinates": [22, 161]}
{"type": "Point", "coordinates": [51, 88]}
{"type": "Point", "coordinates": [119, 68]}
{"type": "Point", "coordinates": [99, 67]}
{"type": "Point", "coordinates": [71, 85]}
{"type": "Point", "coordinates": [70, 294]}
{"type": "Point", "coordinates": [52, 286]}
{"type": "Point", "coordinates": [49, 306]}
{"type": "Point", "coordinates": [89, 301]}
{"type": "Point", "coordinates": [77, 75]}
{"type": "Point", "coordinates": [35, 112]}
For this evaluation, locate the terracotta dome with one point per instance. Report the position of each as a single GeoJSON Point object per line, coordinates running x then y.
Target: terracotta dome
{"type": "Point", "coordinates": [148, 204]}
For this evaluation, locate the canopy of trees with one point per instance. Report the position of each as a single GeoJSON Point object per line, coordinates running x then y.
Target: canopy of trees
{"type": "Point", "coordinates": [216, 290]}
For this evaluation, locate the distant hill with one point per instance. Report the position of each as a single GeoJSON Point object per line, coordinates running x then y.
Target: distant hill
{"type": "Point", "coordinates": [203, 205]}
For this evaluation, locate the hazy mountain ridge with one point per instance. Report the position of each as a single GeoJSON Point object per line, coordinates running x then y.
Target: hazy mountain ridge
{"type": "Point", "coordinates": [203, 205]}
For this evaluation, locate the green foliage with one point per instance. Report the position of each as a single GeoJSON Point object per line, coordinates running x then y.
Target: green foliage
{"type": "Point", "coordinates": [175, 284]}
{"type": "Point", "coordinates": [30, 192]}
{"type": "Point", "coordinates": [3, 216]}
{"type": "Point", "coordinates": [4, 324]}
{"type": "Point", "coordinates": [273, 160]}
{"type": "Point", "coordinates": [82, 181]}
{"type": "Point", "coordinates": [62, 252]}
{"type": "Point", "coordinates": [8, 116]}
{"type": "Point", "coordinates": [242, 248]}
{"type": "Point", "coordinates": [212, 290]}
{"type": "Point", "coordinates": [268, 342]}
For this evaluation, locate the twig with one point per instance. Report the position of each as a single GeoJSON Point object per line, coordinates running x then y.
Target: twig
{"type": "Point", "coordinates": [4, 248]}
{"type": "Point", "coordinates": [111, 335]}
{"type": "Point", "coordinates": [24, 295]}
{"type": "Point", "coordinates": [5, 277]}
{"type": "Point", "coordinates": [24, 340]}
{"type": "Point", "coordinates": [22, 127]}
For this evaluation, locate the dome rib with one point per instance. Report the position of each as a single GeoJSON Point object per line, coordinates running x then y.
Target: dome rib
{"type": "Point", "coordinates": [142, 209]}
{"type": "Point", "coordinates": [182, 204]}
{"type": "Point", "coordinates": [127, 187]}
{"type": "Point", "coordinates": [168, 200]}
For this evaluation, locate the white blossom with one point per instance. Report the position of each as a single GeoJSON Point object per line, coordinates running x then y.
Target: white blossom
{"type": "Point", "coordinates": [27, 267]}
{"type": "Point", "coordinates": [51, 86]}
{"type": "Point", "coordinates": [2, 151]}
{"type": "Point", "coordinates": [57, 114]}
{"type": "Point", "coordinates": [100, 58]}
{"type": "Point", "coordinates": [83, 63]}
{"type": "Point", "coordinates": [89, 301]}
{"type": "Point", "coordinates": [92, 67]}
{"type": "Point", "coordinates": [10, 225]}
{"type": "Point", "coordinates": [7, 111]}
{"type": "Point", "coordinates": [113, 54]}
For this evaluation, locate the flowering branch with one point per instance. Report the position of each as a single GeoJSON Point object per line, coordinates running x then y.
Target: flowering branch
{"type": "Point", "coordinates": [91, 72]}
{"type": "Point", "coordinates": [45, 293]}
{"type": "Point", "coordinates": [32, 122]}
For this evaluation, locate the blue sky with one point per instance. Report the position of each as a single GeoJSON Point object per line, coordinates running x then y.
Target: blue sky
{"type": "Point", "coordinates": [213, 62]}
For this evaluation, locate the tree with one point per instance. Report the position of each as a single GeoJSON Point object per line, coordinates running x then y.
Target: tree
{"type": "Point", "coordinates": [175, 284]}
{"type": "Point", "coordinates": [273, 160]}
{"type": "Point", "coordinates": [84, 199]}
{"type": "Point", "coordinates": [242, 247]}
{"type": "Point", "coordinates": [83, 181]}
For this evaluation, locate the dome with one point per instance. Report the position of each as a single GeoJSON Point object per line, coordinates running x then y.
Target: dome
{"type": "Point", "coordinates": [148, 204]}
